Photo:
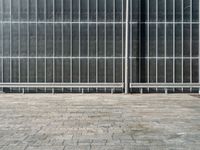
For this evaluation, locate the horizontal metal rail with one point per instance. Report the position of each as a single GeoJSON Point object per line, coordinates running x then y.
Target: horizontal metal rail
{"type": "Point", "coordinates": [164, 85]}
{"type": "Point", "coordinates": [99, 85]}
{"type": "Point", "coordinates": [61, 85]}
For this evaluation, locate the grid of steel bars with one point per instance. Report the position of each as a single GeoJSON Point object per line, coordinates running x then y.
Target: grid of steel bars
{"type": "Point", "coordinates": [67, 41]}
{"type": "Point", "coordinates": [168, 50]}
{"type": "Point", "coordinates": [100, 45]}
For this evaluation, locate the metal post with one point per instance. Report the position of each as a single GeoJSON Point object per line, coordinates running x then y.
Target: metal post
{"type": "Point", "coordinates": [141, 91]}
{"type": "Point", "coordinates": [82, 90]}
{"type": "Point", "coordinates": [199, 46]}
{"type": "Point", "coordinates": [166, 91]}
{"type": "Point", "coordinates": [112, 91]}
{"type": "Point", "coordinates": [126, 50]}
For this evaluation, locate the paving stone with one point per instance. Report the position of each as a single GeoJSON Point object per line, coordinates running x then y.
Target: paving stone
{"type": "Point", "coordinates": [82, 147]}
{"type": "Point", "coordinates": [70, 142]}
{"type": "Point", "coordinates": [45, 148]}
{"type": "Point", "coordinates": [14, 147]}
{"type": "Point", "coordinates": [99, 121]}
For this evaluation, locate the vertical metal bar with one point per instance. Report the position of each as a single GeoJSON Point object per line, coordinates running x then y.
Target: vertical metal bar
{"type": "Point", "coordinates": [2, 36]}
{"type": "Point", "coordinates": [36, 13]}
{"type": "Point", "coordinates": [71, 46]}
{"type": "Point", "coordinates": [88, 41]}
{"type": "Point", "coordinates": [105, 36]}
{"type": "Point", "coordinates": [190, 43]}
{"type": "Point", "coordinates": [122, 51]}
{"type": "Point", "coordinates": [19, 45]}
{"type": "Point", "coordinates": [148, 20]}
{"type": "Point", "coordinates": [174, 6]}
{"type": "Point", "coordinates": [182, 34]}
{"type": "Point", "coordinates": [114, 54]}
{"type": "Point", "coordinates": [199, 46]}
{"type": "Point", "coordinates": [165, 42]}
{"type": "Point", "coordinates": [10, 42]}
{"type": "Point", "coordinates": [131, 43]}
{"type": "Point", "coordinates": [123, 65]}
{"type": "Point", "coordinates": [45, 44]}
{"type": "Point", "coordinates": [53, 43]}
{"type": "Point", "coordinates": [79, 43]}
{"type": "Point", "coordinates": [156, 43]}
{"type": "Point", "coordinates": [62, 14]}
{"type": "Point", "coordinates": [97, 45]}
{"type": "Point", "coordinates": [28, 45]}
{"type": "Point", "coordinates": [127, 50]}
{"type": "Point", "coordinates": [139, 45]}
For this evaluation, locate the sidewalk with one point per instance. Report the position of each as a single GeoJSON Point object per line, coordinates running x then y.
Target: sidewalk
{"type": "Point", "coordinates": [103, 121]}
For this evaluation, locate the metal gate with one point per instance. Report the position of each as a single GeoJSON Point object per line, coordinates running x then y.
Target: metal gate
{"type": "Point", "coordinates": [99, 45]}
{"type": "Point", "coordinates": [164, 55]}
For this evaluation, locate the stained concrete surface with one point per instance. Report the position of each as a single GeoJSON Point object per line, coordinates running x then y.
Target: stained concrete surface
{"type": "Point", "coordinates": [98, 122]}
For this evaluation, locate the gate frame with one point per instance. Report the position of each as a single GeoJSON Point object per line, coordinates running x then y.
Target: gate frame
{"type": "Point", "coordinates": [126, 83]}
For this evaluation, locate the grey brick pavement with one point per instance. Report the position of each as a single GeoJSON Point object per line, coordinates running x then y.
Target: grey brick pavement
{"type": "Point", "coordinates": [110, 122]}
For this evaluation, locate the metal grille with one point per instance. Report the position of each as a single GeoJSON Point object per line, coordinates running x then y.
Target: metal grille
{"type": "Point", "coordinates": [165, 52]}
{"type": "Point", "coordinates": [99, 45]}
{"type": "Point", "coordinates": [62, 41]}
